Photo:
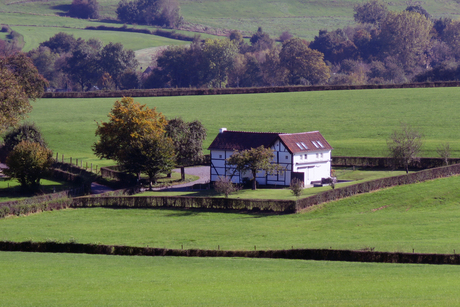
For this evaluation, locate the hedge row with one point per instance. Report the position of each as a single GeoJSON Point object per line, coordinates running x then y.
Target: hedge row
{"type": "Point", "coordinates": [385, 162]}
{"type": "Point", "coordinates": [240, 90]}
{"type": "Point", "coordinates": [186, 202]}
{"type": "Point", "coordinates": [50, 202]}
{"type": "Point", "coordinates": [335, 194]}
{"type": "Point", "coordinates": [158, 32]}
{"type": "Point", "coordinates": [304, 254]}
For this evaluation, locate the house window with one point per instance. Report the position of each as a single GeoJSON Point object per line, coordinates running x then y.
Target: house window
{"type": "Point", "coordinates": [287, 157]}
{"type": "Point", "coordinates": [301, 157]}
{"type": "Point", "coordinates": [317, 155]}
{"type": "Point", "coordinates": [306, 156]}
{"type": "Point", "coordinates": [220, 156]}
{"type": "Point", "coordinates": [321, 155]}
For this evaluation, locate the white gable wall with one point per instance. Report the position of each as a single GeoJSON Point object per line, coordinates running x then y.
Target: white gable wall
{"type": "Point", "coordinates": [314, 165]}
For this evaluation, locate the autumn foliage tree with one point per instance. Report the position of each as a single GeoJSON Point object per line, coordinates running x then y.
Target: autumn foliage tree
{"type": "Point", "coordinates": [19, 82]}
{"type": "Point", "coordinates": [302, 62]}
{"type": "Point", "coordinates": [132, 130]}
{"type": "Point", "coordinates": [254, 160]}
{"type": "Point", "coordinates": [28, 163]}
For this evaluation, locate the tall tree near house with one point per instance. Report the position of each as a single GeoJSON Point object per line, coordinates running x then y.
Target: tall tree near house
{"type": "Point", "coordinates": [404, 145]}
{"type": "Point", "coordinates": [254, 160]}
{"type": "Point", "coordinates": [188, 140]}
{"type": "Point", "coordinates": [19, 82]}
{"type": "Point", "coordinates": [152, 154]}
{"type": "Point", "coordinates": [130, 123]}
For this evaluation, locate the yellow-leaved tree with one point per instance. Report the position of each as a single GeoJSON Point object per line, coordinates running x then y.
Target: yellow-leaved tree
{"type": "Point", "coordinates": [135, 137]}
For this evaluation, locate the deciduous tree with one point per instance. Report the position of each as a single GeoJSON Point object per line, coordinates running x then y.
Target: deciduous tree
{"type": "Point", "coordinates": [404, 145]}
{"type": "Point", "coordinates": [25, 132]}
{"type": "Point", "coordinates": [28, 163]}
{"type": "Point", "coordinates": [303, 62]}
{"type": "Point", "coordinates": [129, 125]}
{"type": "Point", "coordinates": [373, 12]}
{"type": "Point", "coordinates": [254, 160]}
{"type": "Point", "coordinates": [406, 37]}
{"type": "Point", "coordinates": [188, 140]}
{"type": "Point", "coordinates": [115, 60]}
{"type": "Point", "coordinates": [19, 81]}
{"type": "Point", "coordinates": [84, 9]}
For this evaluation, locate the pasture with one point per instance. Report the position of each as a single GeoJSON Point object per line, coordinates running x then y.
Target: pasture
{"type": "Point", "coordinates": [32, 279]}
{"type": "Point", "coordinates": [301, 18]}
{"type": "Point", "coordinates": [10, 189]}
{"type": "Point", "coordinates": [423, 217]}
{"type": "Point", "coordinates": [355, 122]}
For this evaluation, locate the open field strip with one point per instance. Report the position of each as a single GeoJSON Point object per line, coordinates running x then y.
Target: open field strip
{"type": "Point", "coordinates": [355, 122]}
{"type": "Point", "coordinates": [10, 188]}
{"type": "Point", "coordinates": [134, 41]}
{"type": "Point", "coordinates": [423, 217]}
{"type": "Point", "coordinates": [81, 280]}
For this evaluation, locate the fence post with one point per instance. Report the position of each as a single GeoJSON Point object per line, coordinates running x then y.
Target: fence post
{"type": "Point", "coordinates": [57, 157]}
{"type": "Point", "coordinates": [62, 158]}
{"type": "Point", "coordinates": [91, 167]}
{"type": "Point", "coordinates": [70, 160]}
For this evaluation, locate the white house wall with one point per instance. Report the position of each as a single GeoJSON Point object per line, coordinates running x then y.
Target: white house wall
{"type": "Point", "coordinates": [314, 165]}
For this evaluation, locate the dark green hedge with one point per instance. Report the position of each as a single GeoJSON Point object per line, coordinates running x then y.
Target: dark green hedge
{"type": "Point", "coordinates": [304, 254]}
{"type": "Point", "coordinates": [280, 206]}
{"type": "Point", "coordinates": [240, 90]}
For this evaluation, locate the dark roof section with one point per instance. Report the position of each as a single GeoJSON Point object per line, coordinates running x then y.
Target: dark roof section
{"type": "Point", "coordinates": [313, 140]}
{"type": "Point", "coordinates": [241, 140]}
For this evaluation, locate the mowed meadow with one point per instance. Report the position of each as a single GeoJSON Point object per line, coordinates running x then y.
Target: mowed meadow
{"type": "Point", "coordinates": [32, 279]}
{"type": "Point", "coordinates": [355, 122]}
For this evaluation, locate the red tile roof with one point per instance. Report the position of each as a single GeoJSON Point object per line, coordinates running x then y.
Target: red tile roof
{"type": "Point", "coordinates": [313, 140]}
{"type": "Point", "coordinates": [241, 140]}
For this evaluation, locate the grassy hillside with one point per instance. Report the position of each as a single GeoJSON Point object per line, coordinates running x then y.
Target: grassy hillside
{"type": "Point", "coordinates": [354, 122]}
{"type": "Point", "coordinates": [302, 18]}
{"type": "Point", "coordinates": [32, 279]}
{"type": "Point", "coordinates": [423, 216]}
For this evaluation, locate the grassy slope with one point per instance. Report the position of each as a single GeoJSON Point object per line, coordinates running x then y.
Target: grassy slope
{"type": "Point", "coordinates": [423, 216]}
{"type": "Point", "coordinates": [302, 18]}
{"type": "Point", "coordinates": [10, 188]}
{"type": "Point", "coordinates": [354, 122]}
{"type": "Point", "coordinates": [81, 280]}
{"type": "Point", "coordinates": [135, 41]}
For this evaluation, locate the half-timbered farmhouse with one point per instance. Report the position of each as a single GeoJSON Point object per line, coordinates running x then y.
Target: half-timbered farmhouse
{"type": "Point", "coordinates": [306, 156]}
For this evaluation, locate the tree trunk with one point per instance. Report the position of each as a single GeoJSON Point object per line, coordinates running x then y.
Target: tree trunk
{"type": "Point", "coordinates": [254, 182]}
{"type": "Point", "coordinates": [182, 173]}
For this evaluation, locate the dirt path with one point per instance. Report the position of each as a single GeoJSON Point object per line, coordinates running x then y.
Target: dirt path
{"type": "Point", "coordinates": [202, 171]}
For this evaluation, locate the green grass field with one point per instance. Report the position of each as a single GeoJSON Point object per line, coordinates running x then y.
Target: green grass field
{"type": "Point", "coordinates": [355, 122]}
{"type": "Point", "coordinates": [135, 41]}
{"type": "Point", "coordinates": [92, 280]}
{"type": "Point", "coordinates": [302, 18]}
{"type": "Point", "coordinates": [423, 217]}
{"type": "Point", "coordinates": [10, 189]}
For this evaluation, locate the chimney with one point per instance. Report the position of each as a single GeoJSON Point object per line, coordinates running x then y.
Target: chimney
{"type": "Point", "coordinates": [222, 130]}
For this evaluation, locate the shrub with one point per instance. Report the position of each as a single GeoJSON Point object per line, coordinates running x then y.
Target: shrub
{"type": "Point", "coordinates": [224, 185]}
{"type": "Point", "coordinates": [84, 9]}
{"type": "Point", "coordinates": [28, 163]}
{"type": "Point", "coordinates": [296, 187]}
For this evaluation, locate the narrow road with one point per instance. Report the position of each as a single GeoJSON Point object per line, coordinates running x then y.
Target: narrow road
{"type": "Point", "coordinates": [202, 171]}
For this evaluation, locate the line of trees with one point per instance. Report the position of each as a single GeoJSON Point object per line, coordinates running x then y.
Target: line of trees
{"type": "Point", "coordinates": [75, 64]}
